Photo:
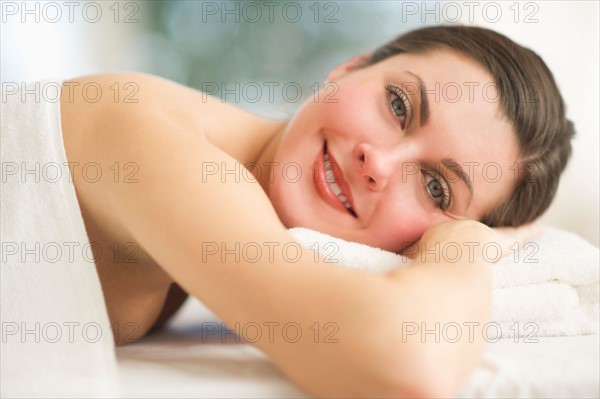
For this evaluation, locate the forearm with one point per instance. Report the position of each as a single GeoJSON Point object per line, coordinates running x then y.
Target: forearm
{"type": "Point", "coordinates": [361, 323]}
{"type": "Point", "coordinates": [331, 330]}
{"type": "Point", "coordinates": [180, 215]}
{"type": "Point", "coordinates": [397, 331]}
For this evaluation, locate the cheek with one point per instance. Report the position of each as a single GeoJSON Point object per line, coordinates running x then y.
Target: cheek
{"type": "Point", "coordinates": [397, 228]}
{"type": "Point", "coordinates": [349, 113]}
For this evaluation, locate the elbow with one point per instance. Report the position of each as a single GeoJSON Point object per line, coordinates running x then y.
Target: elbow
{"type": "Point", "coordinates": [387, 379]}
{"type": "Point", "coordinates": [426, 387]}
{"type": "Point", "coordinates": [411, 370]}
{"type": "Point", "coordinates": [430, 382]}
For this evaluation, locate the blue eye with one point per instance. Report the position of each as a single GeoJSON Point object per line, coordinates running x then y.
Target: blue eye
{"type": "Point", "coordinates": [399, 105]}
{"type": "Point", "coordinates": [437, 189]}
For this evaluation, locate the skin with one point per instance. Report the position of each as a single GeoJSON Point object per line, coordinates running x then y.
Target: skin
{"type": "Point", "coordinates": [174, 208]}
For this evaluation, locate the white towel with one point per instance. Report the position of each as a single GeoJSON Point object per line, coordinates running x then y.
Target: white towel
{"type": "Point", "coordinates": [549, 287]}
{"type": "Point", "coordinates": [56, 338]}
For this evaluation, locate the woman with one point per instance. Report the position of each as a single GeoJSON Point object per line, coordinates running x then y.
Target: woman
{"type": "Point", "coordinates": [388, 158]}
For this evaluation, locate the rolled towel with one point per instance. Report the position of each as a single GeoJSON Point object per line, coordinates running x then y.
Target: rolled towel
{"type": "Point", "coordinates": [551, 282]}
{"type": "Point", "coordinates": [353, 255]}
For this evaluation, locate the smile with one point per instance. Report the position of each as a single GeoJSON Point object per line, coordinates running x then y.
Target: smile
{"type": "Point", "coordinates": [331, 184]}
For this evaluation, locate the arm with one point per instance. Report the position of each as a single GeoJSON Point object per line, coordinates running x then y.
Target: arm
{"type": "Point", "coordinates": [174, 215]}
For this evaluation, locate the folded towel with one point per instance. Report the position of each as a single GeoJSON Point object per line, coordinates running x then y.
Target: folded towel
{"type": "Point", "coordinates": [559, 300]}
{"type": "Point", "coordinates": [548, 287]}
{"type": "Point", "coordinates": [557, 255]}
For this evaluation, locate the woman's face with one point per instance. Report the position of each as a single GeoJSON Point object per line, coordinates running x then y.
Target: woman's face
{"type": "Point", "coordinates": [407, 143]}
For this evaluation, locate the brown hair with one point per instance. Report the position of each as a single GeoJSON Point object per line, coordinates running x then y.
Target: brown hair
{"type": "Point", "coordinates": [529, 98]}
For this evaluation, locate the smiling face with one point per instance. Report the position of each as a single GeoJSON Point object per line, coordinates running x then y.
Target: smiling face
{"type": "Point", "coordinates": [382, 160]}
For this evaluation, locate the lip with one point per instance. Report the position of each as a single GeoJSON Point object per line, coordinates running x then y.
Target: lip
{"type": "Point", "coordinates": [323, 187]}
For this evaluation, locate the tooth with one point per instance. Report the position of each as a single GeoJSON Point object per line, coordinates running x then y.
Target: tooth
{"type": "Point", "coordinates": [336, 189]}
{"type": "Point", "coordinates": [327, 166]}
{"type": "Point", "coordinates": [330, 177]}
{"type": "Point", "coordinates": [333, 184]}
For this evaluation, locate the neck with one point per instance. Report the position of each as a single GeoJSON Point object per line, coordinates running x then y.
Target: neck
{"type": "Point", "coordinates": [266, 156]}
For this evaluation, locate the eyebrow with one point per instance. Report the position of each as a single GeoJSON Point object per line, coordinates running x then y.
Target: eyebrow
{"type": "Point", "coordinates": [458, 171]}
{"type": "Point", "coordinates": [424, 106]}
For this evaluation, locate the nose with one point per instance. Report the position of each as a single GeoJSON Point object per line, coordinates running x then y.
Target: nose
{"type": "Point", "coordinates": [374, 165]}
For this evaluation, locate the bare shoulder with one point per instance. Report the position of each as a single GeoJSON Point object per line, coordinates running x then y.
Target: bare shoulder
{"type": "Point", "coordinates": [97, 101]}
{"type": "Point", "coordinates": [127, 103]}
{"type": "Point", "coordinates": [164, 130]}
{"type": "Point", "coordinates": [100, 90]}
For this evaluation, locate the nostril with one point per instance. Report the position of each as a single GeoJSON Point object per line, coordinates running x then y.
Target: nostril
{"type": "Point", "coordinates": [371, 180]}
{"type": "Point", "coordinates": [362, 158]}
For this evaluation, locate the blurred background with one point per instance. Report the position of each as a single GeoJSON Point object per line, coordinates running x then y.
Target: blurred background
{"type": "Point", "coordinates": [279, 52]}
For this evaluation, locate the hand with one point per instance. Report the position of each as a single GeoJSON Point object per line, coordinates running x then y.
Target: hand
{"type": "Point", "coordinates": [470, 232]}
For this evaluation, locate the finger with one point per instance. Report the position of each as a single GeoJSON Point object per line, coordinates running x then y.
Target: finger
{"type": "Point", "coordinates": [412, 251]}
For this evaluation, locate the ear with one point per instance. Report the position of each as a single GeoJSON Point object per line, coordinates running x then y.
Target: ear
{"type": "Point", "coordinates": [347, 66]}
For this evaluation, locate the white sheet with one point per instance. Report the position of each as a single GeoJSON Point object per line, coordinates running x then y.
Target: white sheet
{"type": "Point", "coordinates": [182, 362]}
{"type": "Point", "coordinates": [56, 338]}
